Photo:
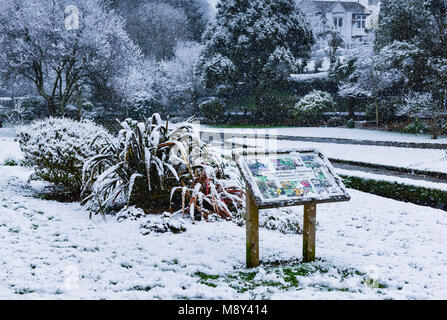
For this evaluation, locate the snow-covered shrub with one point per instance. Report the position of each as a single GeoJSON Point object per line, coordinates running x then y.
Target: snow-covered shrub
{"type": "Point", "coordinates": [33, 108]}
{"type": "Point", "coordinates": [309, 110]}
{"type": "Point", "coordinates": [423, 196]}
{"type": "Point", "coordinates": [58, 147]}
{"type": "Point", "coordinates": [210, 193]}
{"type": "Point", "coordinates": [284, 220]}
{"type": "Point", "coordinates": [146, 165]}
{"type": "Point", "coordinates": [129, 213]}
{"type": "Point", "coordinates": [212, 109]}
{"type": "Point", "coordinates": [336, 122]}
{"type": "Point", "coordinates": [274, 107]}
{"type": "Point", "coordinates": [143, 106]}
{"type": "Point", "coordinates": [350, 124]}
{"type": "Point", "coordinates": [418, 104]}
{"type": "Point", "coordinates": [162, 224]}
{"type": "Point", "coordinates": [387, 108]}
{"type": "Point", "coordinates": [416, 127]}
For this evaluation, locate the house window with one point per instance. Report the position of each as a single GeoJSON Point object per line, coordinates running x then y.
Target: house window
{"type": "Point", "coordinates": [360, 21]}
{"type": "Point", "coordinates": [338, 22]}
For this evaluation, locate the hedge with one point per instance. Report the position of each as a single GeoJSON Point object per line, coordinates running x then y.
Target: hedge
{"type": "Point", "coordinates": [398, 191]}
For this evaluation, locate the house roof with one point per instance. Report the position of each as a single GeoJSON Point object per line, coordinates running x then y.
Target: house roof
{"type": "Point", "coordinates": [348, 6]}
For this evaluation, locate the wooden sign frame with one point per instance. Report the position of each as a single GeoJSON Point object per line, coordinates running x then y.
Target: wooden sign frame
{"type": "Point", "coordinates": [255, 201]}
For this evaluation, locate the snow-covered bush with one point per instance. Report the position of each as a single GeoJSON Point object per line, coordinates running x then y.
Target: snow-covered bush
{"type": "Point", "coordinates": [212, 109]}
{"type": "Point", "coordinates": [309, 110]}
{"type": "Point", "coordinates": [424, 105]}
{"type": "Point", "coordinates": [148, 163]}
{"type": "Point", "coordinates": [143, 106]}
{"type": "Point", "coordinates": [210, 193]}
{"type": "Point", "coordinates": [336, 122]}
{"type": "Point", "coordinates": [416, 127]}
{"type": "Point", "coordinates": [33, 108]}
{"type": "Point", "coordinates": [274, 107]}
{"type": "Point", "coordinates": [284, 220]}
{"type": "Point", "coordinates": [350, 124]}
{"type": "Point", "coordinates": [157, 224]}
{"type": "Point", "coordinates": [58, 147]}
{"type": "Point", "coordinates": [387, 109]}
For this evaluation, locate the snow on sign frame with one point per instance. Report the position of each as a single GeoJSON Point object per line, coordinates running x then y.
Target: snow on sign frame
{"type": "Point", "coordinates": [289, 177]}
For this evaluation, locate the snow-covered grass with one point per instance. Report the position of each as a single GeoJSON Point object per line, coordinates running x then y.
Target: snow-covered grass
{"type": "Point", "coordinates": [342, 133]}
{"type": "Point", "coordinates": [9, 149]}
{"type": "Point", "coordinates": [370, 247]}
{"type": "Point", "coordinates": [422, 159]}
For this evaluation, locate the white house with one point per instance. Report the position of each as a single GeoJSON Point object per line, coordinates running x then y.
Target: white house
{"type": "Point", "coordinates": [351, 18]}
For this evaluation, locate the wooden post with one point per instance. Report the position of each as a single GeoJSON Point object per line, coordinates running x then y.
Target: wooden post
{"type": "Point", "coordinates": [252, 229]}
{"type": "Point", "coordinates": [310, 217]}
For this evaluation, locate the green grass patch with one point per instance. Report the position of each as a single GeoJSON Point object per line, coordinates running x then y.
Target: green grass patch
{"type": "Point", "coordinates": [141, 288]}
{"type": "Point", "coordinates": [14, 163]}
{"type": "Point", "coordinates": [207, 279]}
{"type": "Point", "coordinates": [24, 291]}
{"type": "Point", "coordinates": [283, 276]}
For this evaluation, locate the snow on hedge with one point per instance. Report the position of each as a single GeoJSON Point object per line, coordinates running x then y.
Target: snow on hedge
{"type": "Point", "coordinates": [406, 181]}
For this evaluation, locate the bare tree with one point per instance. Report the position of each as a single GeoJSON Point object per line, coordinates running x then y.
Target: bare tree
{"type": "Point", "coordinates": [61, 46]}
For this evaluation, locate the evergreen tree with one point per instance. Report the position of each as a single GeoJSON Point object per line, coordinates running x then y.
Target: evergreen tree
{"type": "Point", "coordinates": [412, 39]}
{"type": "Point", "coordinates": [253, 43]}
{"type": "Point", "coordinates": [399, 20]}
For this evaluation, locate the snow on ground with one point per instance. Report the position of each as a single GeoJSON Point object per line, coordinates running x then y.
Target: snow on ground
{"type": "Point", "coordinates": [343, 133]}
{"type": "Point", "coordinates": [9, 149]}
{"type": "Point", "coordinates": [422, 159]}
{"type": "Point", "coordinates": [368, 248]}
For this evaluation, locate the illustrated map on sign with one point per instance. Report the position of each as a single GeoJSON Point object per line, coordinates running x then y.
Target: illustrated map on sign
{"type": "Point", "coordinates": [292, 176]}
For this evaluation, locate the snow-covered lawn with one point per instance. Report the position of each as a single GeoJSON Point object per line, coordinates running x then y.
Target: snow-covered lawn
{"type": "Point", "coordinates": [422, 159]}
{"type": "Point", "coordinates": [370, 247]}
{"type": "Point", "coordinates": [9, 149]}
{"type": "Point", "coordinates": [343, 133]}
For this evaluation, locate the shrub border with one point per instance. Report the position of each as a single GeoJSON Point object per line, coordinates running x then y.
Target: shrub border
{"type": "Point", "coordinates": [434, 174]}
{"type": "Point", "coordinates": [434, 198]}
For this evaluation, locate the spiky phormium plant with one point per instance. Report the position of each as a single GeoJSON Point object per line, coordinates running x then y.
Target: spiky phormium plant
{"type": "Point", "coordinates": [148, 162]}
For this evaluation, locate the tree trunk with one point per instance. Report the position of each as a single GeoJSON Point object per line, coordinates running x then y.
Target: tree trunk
{"type": "Point", "coordinates": [351, 113]}
{"type": "Point", "coordinates": [51, 107]}
{"type": "Point", "coordinates": [377, 110]}
{"type": "Point", "coordinates": [435, 130]}
{"type": "Point", "coordinates": [79, 101]}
